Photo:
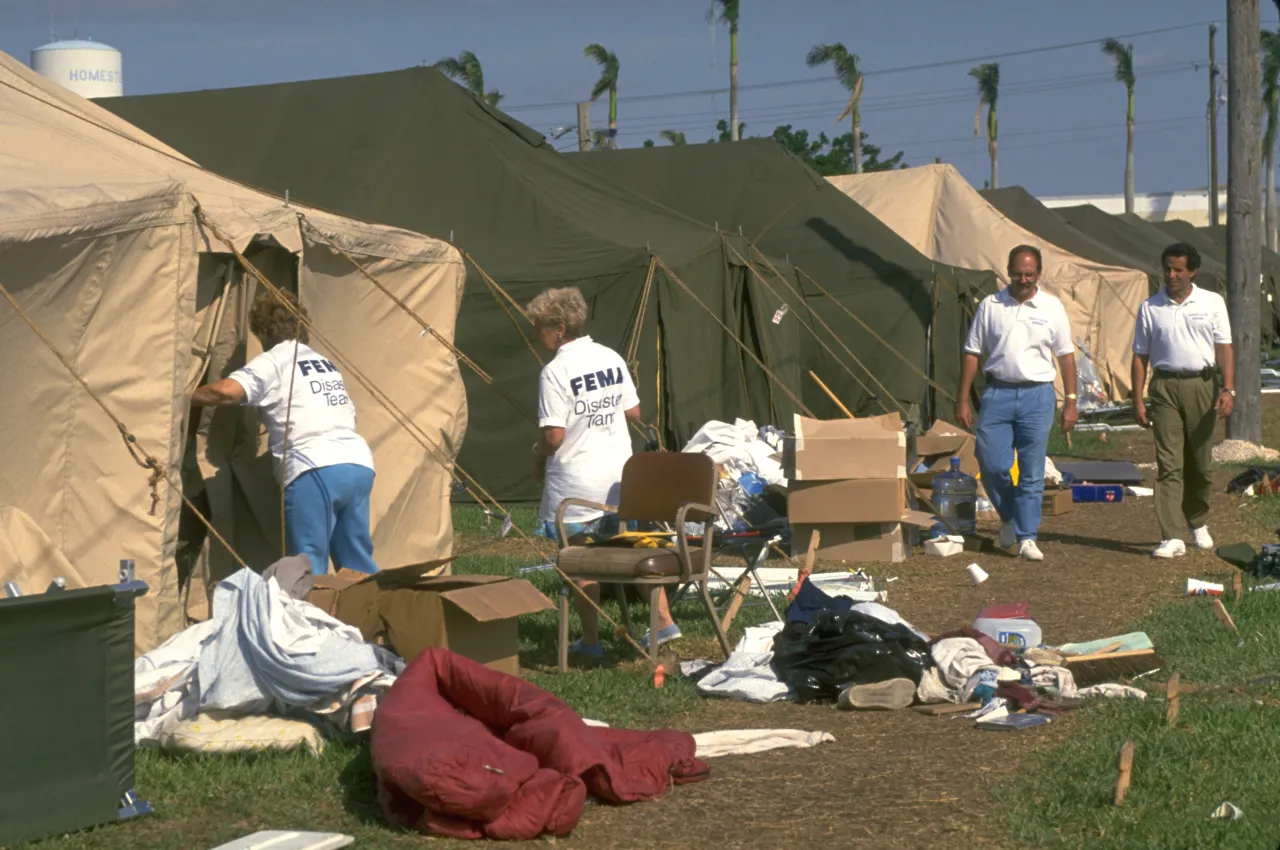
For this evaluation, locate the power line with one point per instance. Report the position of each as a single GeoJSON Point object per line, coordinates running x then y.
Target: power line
{"type": "Point", "coordinates": [882, 72]}
{"type": "Point", "coordinates": [641, 125]}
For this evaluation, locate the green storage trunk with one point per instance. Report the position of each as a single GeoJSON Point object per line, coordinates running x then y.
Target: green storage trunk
{"type": "Point", "coordinates": [66, 717]}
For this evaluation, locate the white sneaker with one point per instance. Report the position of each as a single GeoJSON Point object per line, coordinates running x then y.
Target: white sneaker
{"type": "Point", "coordinates": [1202, 538]}
{"type": "Point", "coordinates": [1170, 549]}
{"type": "Point", "coordinates": [1008, 537]}
{"type": "Point", "coordinates": [1030, 551]}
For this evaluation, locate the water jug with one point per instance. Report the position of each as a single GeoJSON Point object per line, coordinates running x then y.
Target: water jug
{"type": "Point", "coordinates": [1020, 632]}
{"type": "Point", "coordinates": [955, 495]}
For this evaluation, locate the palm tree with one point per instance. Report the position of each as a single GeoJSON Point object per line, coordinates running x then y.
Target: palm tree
{"type": "Point", "coordinates": [846, 67]}
{"type": "Point", "coordinates": [1271, 101]}
{"type": "Point", "coordinates": [674, 137]}
{"type": "Point", "coordinates": [729, 15]}
{"type": "Point", "coordinates": [608, 82]}
{"type": "Point", "coordinates": [465, 69]}
{"type": "Point", "coordinates": [988, 77]}
{"type": "Point", "coordinates": [1123, 54]}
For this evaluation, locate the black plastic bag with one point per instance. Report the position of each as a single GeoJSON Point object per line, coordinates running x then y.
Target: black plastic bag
{"type": "Point", "coordinates": [836, 649]}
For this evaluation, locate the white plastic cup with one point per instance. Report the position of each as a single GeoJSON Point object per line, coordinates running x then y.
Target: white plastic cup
{"type": "Point", "coordinates": [1196, 587]}
{"type": "Point", "coordinates": [977, 574]}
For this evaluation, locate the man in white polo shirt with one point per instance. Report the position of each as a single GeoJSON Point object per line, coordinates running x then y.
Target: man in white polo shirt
{"type": "Point", "coordinates": [1021, 331]}
{"type": "Point", "coordinates": [1183, 332]}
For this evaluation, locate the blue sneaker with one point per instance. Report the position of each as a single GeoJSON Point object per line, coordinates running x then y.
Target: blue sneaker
{"type": "Point", "coordinates": [671, 632]}
{"type": "Point", "coordinates": [590, 650]}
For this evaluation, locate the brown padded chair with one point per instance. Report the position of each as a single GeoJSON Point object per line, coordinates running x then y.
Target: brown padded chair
{"type": "Point", "coordinates": [671, 487]}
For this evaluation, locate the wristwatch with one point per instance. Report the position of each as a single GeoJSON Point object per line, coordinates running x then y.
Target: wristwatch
{"type": "Point", "coordinates": [1231, 393]}
{"type": "Point", "coordinates": [1071, 396]}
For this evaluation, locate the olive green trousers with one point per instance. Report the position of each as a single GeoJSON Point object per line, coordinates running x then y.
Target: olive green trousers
{"type": "Point", "coordinates": [1183, 418]}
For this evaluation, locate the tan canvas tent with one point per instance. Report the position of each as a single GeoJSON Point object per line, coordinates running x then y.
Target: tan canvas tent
{"type": "Point", "coordinates": [109, 244]}
{"type": "Point", "coordinates": [935, 209]}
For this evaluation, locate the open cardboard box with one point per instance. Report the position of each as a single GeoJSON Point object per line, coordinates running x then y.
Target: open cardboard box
{"type": "Point", "coordinates": [410, 609]}
{"type": "Point", "coordinates": [840, 449]}
{"type": "Point", "coordinates": [935, 449]}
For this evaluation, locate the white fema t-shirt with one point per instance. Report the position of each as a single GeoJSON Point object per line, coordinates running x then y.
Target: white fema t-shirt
{"type": "Point", "coordinates": [586, 390]}
{"type": "Point", "coordinates": [1181, 337]}
{"type": "Point", "coordinates": [1020, 340]}
{"type": "Point", "coordinates": [322, 419]}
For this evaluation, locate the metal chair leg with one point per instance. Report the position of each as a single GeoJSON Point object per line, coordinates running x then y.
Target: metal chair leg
{"type": "Point", "coordinates": [626, 609]}
{"type": "Point", "coordinates": [655, 593]}
{"type": "Point", "coordinates": [715, 620]}
{"type": "Point", "coordinates": [563, 638]}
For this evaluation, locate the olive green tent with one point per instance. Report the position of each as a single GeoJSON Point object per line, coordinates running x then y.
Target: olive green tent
{"type": "Point", "coordinates": [849, 265]}
{"type": "Point", "coordinates": [675, 297]}
{"type": "Point", "coordinates": [1104, 245]}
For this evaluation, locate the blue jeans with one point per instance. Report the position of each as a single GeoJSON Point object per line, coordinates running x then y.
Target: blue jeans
{"type": "Point", "coordinates": [326, 510]}
{"type": "Point", "coordinates": [1015, 418]}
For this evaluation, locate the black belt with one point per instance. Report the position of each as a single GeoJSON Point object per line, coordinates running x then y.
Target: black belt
{"type": "Point", "coordinates": [1206, 373]}
{"type": "Point", "coordinates": [1012, 385]}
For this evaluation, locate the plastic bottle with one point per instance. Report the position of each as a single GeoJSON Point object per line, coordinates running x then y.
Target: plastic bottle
{"type": "Point", "coordinates": [955, 494]}
{"type": "Point", "coordinates": [1014, 632]}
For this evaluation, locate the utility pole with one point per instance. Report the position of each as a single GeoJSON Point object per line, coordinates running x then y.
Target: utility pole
{"type": "Point", "coordinates": [1244, 208]}
{"type": "Point", "coordinates": [584, 126]}
{"type": "Point", "coordinates": [1213, 128]}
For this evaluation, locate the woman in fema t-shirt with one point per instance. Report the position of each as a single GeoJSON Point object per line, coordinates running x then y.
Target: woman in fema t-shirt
{"type": "Point", "coordinates": [327, 473]}
{"type": "Point", "coordinates": [585, 399]}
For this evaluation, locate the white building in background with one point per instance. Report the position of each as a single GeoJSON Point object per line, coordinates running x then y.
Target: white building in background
{"type": "Point", "coordinates": [1191, 205]}
{"type": "Point", "coordinates": [87, 68]}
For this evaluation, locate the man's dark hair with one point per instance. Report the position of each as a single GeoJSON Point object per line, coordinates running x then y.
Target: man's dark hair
{"type": "Point", "coordinates": [1019, 250]}
{"type": "Point", "coordinates": [273, 323]}
{"type": "Point", "coordinates": [1182, 249]}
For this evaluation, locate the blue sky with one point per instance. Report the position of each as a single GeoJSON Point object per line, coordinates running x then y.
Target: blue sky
{"type": "Point", "coordinates": [1061, 113]}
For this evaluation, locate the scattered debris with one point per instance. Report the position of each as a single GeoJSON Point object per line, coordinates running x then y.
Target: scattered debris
{"type": "Point", "coordinates": [1196, 587]}
{"type": "Point", "coordinates": [1242, 451]}
{"type": "Point", "coordinates": [1227, 811]}
{"type": "Point", "coordinates": [1124, 772]}
{"type": "Point", "coordinates": [977, 574]}
{"type": "Point", "coordinates": [1172, 694]}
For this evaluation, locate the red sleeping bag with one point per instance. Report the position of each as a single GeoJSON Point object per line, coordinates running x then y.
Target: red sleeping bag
{"type": "Point", "coordinates": [468, 752]}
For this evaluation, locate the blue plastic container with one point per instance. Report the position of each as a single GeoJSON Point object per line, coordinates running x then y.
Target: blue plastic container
{"type": "Point", "coordinates": [955, 495]}
{"type": "Point", "coordinates": [1097, 493]}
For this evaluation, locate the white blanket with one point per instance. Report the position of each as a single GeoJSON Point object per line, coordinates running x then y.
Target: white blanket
{"type": "Point", "coordinates": [737, 742]}
{"type": "Point", "coordinates": [738, 448]}
{"type": "Point", "coordinates": [262, 653]}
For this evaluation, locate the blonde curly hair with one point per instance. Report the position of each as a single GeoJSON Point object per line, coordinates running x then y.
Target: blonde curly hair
{"type": "Point", "coordinates": [564, 306]}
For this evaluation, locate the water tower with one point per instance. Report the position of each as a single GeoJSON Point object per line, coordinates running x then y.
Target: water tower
{"type": "Point", "coordinates": [87, 68]}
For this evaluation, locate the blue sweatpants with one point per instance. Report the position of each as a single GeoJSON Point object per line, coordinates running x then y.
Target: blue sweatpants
{"type": "Point", "coordinates": [326, 510]}
{"type": "Point", "coordinates": [1015, 417]}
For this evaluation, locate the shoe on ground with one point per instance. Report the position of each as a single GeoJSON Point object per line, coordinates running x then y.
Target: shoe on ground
{"type": "Point", "coordinates": [891, 695]}
{"type": "Point", "coordinates": [1008, 536]}
{"type": "Point", "coordinates": [1170, 549]}
{"type": "Point", "coordinates": [587, 650]}
{"type": "Point", "coordinates": [1201, 537]}
{"type": "Point", "coordinates": [671, 632]}
{"type": "Point", "coordinates": [1028, 550]}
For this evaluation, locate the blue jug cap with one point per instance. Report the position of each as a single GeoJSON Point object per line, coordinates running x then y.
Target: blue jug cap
{"type": "Point", "coordinates": [955, 463]}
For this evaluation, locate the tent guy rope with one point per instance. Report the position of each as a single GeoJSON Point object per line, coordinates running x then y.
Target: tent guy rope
{"type": "Point", "coordinates": [159, 472]}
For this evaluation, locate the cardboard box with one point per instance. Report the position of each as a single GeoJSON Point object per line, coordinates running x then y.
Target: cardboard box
{"type": "Point", "coordinates": [855, 500]}
{"type": "Point", "coordinates": [840, 449]}
{"type": "Point", "coordinates": [1056, 502]}
{"type": "Point", "coordinates": [935, 449]}
{"type": "Point", "coordinates": [858, 542]}
{"type": "Point", "coordinates": [475, 616]}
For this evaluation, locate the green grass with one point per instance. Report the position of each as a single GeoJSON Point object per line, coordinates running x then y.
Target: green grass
{"type": "Point", "coordinates": [1090, 444]}
{"type": "Point", "coordinates": [1225, 746]}
{"type": "Point", "coordinates": [203, 801]}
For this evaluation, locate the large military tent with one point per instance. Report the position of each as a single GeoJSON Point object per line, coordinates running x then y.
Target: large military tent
{"type": "Point", "coordinates": [938, 212]}
{"type": "Point", "coordinates": [112, 245]}
{"type": "Point", "coordinates": [847, 261]}
{"type": "Point", "coordinates": [413, 149]}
